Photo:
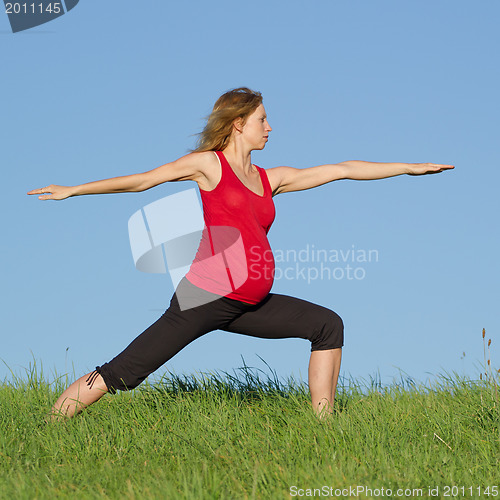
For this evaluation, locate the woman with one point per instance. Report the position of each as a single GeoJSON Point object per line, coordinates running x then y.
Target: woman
{"type": "Point", "coordinates": [228, 284]}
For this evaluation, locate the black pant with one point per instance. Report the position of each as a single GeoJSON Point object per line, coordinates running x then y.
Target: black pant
{"type": "Point", "coordinates": [275, 317]}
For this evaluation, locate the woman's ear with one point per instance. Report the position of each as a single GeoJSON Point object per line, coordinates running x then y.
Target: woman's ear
{"type": "Point", "coordinates": [238, 124]}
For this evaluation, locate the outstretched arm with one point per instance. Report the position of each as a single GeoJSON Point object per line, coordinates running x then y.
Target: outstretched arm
{"type": "Point", "coordinates": [366, 170]}
{"type": "Point", "coordinates": [190, 167]}
{"type": "Point", "coordinates": [287, 179]}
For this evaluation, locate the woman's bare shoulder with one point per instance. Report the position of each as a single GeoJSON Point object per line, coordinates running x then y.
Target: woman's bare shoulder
{"type": "Point", "coordinates": [275, 176]}
{"type": "Point", "coordinates": [200, 159]}
{"type": "Point", "coordinates": [206, 163]}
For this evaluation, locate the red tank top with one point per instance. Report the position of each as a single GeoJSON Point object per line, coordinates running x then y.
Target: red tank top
{"type": "Point", "coordinates": [234, 258]}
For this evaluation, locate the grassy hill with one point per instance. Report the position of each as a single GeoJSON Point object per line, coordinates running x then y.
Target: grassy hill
{"type": "Point", "coordinates": [222, 436]}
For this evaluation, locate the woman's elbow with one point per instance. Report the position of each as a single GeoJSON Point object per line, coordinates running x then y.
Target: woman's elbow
{"type": "Point", "coordinates": [144, 182]}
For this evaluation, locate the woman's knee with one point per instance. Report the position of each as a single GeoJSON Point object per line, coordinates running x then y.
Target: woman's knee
{"type": "Point", "coordinates": [328, 332]}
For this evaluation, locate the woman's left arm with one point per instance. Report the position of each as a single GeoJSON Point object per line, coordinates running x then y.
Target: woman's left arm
{"type": "Point", "coordinates": [287, 179]}
{"type": "Point", "coordinates": [366, 170]}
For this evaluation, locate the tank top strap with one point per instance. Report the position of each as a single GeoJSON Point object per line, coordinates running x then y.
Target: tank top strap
{"type": "Point", "coordinates": [265, 181]}
{"type": "Point", "coordinates": [226, 169]}
{"type": "Point", "coordinates": [222, 160]}
{"type": "Point", "coordinates": [220, 156]}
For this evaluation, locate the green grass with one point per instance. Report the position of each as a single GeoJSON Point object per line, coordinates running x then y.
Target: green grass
{"type": "Point", "coordinates": [248, 436]}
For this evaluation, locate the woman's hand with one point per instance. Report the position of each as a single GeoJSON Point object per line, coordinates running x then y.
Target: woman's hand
{"type": "Point", "coordinates": [53, 192]}
{"type": "Point", "coordinates": [427, 168]}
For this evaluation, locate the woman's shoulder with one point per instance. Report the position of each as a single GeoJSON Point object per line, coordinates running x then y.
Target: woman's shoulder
{"type": "Point", "coordinates": [207, 164]}
{"type": "Point", "coordinates": [275, 176]}
{"type": "Point", "coordinates": [203, 161]}
{"type": "Point", "coordinates": [200, 157]}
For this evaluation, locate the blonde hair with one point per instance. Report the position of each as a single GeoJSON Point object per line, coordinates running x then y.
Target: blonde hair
{"type": "Point", "coordinates": [234, 104]}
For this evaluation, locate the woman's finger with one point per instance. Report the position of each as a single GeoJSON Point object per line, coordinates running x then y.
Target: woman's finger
{"type": "Point", "coordinates": [39, 191]}
{"type": "Point", "coordinates": [48, 196]}
{"type": "Point", "coordinates": [430, 168]}
{"type": "Point", "coordinates": [43, 191]}
{"type": "Point", "coordinates": [441, 167]}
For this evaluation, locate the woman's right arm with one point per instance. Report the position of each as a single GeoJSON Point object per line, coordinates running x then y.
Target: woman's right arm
{"type": "Point", "coordinates": [192, 167]}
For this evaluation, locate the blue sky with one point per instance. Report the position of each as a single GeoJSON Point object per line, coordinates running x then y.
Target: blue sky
{"type": "Point", "coordinates": [118, 87]}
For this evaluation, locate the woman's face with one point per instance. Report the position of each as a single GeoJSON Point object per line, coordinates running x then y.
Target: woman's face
{"type": "Point", "coordinates": [256, 129]}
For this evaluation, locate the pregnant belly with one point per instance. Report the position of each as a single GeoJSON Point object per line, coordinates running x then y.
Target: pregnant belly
{"type": "Point", "coordinates": [229, 267]}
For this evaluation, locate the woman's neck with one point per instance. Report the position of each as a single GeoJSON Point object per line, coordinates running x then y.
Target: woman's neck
{"type": "Point", "coordinates": [239, 158]}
